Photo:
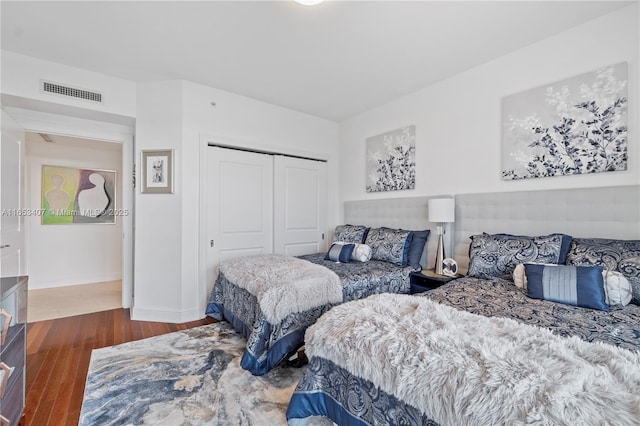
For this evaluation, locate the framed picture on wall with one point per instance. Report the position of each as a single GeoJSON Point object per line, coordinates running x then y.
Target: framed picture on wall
{"type": "Point", "coordinates": [78, 196]}
{"type": "Point", "coordinates": [573, 126]}
{"type": "Point", "coordinates": [157, 172]}
{"type": "Point", "coordinates": [391, 160]}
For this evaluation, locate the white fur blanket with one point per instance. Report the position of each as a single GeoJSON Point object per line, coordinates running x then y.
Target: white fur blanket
{"type": "Point", "coordinates": [283, 285]}
{"type": "Point", "coordinates": [464, 369]}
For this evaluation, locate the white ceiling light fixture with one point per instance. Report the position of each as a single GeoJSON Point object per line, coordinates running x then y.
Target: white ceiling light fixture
{"type": "Point", "coordinates": [309, 2]}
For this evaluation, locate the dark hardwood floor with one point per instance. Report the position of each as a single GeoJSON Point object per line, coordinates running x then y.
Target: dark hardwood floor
{"type": "Point", "coordinates": [58, 353]}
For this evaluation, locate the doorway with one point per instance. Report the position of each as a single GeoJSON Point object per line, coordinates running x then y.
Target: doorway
{"type": "Point", "coordinates": [75, 267]}
{"type": "Point", "coordinates": [114, 130]}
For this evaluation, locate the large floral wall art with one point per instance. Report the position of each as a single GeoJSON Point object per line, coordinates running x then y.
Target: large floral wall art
{"type": "Point", "coordinates": [391, 160]}
{"type": "Point", "coordinates": [575, 126]}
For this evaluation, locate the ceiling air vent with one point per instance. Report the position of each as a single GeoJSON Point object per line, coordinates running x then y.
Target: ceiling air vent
{"type": "Point", "coordinates": [58, 89]}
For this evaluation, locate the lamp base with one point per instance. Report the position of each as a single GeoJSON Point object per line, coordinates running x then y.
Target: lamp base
{"type": "Point", "coordinates": [439, 255]}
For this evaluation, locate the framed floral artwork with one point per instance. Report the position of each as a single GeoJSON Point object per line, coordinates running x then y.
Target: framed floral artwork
{"type": "Point", "coordinates": [391, 164]}
{"type": "Point", "coordinates": [575, 126]}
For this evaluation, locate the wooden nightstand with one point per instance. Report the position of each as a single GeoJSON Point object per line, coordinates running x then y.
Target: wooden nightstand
{"type": "Point", "coordinates": [426, 280]}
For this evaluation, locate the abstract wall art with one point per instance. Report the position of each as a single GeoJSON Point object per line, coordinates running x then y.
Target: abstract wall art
{"type": "Point", "coordinates": [574, 126]}
{"type": "Point", "coordinates": [391, 164]}
{"type": "Point", "coordinates": [73, 196]}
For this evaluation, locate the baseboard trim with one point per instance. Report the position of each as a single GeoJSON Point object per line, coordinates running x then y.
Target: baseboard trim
{"type": "Point", "coordinates": [69, 281]}
{"type": "Point", "coordinates": [170, 316]}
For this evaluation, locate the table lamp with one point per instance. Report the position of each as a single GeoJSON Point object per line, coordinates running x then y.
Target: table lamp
{"type": "Point", "coordinates": [441, 210]}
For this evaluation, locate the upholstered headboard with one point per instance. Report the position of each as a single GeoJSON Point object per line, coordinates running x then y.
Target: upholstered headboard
{"type": "Point", "coordinates": [608, 212]}
{"type": "Point", "coordinates": [405, 213]}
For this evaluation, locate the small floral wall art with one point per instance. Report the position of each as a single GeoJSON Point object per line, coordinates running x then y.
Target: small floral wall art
{"type": "Point", "coordinates": [575, 126]}
{"type": "Point", "coordinates": [391, 163]}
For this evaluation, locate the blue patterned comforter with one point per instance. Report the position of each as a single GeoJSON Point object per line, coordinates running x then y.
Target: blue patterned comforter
{"type": "Point", "coordinates": [269, 344]}
{"type": "Point", "coordinates": [328, 390]}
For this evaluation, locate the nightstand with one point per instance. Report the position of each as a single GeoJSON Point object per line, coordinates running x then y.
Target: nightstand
{"type": "Point", "coordinates": [427, 279]}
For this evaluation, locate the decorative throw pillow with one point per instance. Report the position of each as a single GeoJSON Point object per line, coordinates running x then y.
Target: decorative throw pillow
{"type": "Point", "coordinates": [417, 241]}
{"type": "Point", "coordinates": [519, 277]}
{"type": "Point", "coordinates": [616, 287]}
{"type": "Point", "coordinates": [616, 255]}
{"type": "Point", "coordinates": [350, 233]}
{"type": "Point", "coordinates": [340, 252]}
{"type": "Point", "coordinates": [572, 285]}
{"type": "Point", "coordinates": [389, 245]}
{"type": "Point", "coordinates": [618, 290]}
{"type": "Point", "coordinates": [361, 253]}
{"type": "Point", "coordinates": [496, 255]}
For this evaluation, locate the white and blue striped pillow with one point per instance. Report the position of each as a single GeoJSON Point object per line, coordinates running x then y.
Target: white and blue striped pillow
{"type": "Point", "coordinates": [340, 252]}
{"type": "Point", "coordinates": [572, 285]}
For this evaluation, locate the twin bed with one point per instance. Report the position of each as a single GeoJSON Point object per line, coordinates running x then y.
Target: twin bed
{"type": "Point", "coordinates": [274, 324]}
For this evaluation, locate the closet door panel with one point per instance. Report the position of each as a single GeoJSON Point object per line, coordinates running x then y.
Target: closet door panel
{"type": "Point", "coordinates": [239, 205]}
{"type": "Point", "coordinates": [300, 205]}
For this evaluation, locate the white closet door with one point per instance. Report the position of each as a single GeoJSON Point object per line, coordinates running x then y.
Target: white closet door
{"type": "Point", "coordinates": [12, 234]}
{"type": "Point", "coordinates": [300, 206]}
{"type": "Point", "coordinates": [239, 205]}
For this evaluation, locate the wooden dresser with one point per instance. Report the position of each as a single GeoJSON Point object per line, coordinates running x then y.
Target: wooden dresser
{"type": "Point", "coordinates": [13, 319]}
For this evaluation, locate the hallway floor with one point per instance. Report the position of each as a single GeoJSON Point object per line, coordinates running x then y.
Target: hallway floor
{"type": "Point", "coordinates": [61, 302]}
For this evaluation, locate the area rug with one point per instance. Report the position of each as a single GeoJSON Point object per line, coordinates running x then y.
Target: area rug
{"type": "Point", "coordinates": [191, 377]}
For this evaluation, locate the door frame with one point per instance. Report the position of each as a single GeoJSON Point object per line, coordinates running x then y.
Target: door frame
{"type": "Point", "coordinates": [59, 124]}
{"type": "Point", "coordinates": [16, 234]}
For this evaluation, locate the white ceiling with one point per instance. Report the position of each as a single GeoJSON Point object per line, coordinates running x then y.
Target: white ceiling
{"type": "Point", "coordinates": [334, 60]}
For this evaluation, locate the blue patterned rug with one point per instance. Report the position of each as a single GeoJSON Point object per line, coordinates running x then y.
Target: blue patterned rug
{"type": "Point", "coordinates": [190, 377]}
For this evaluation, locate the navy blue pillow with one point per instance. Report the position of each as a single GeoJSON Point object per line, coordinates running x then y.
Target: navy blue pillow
{"type": "Point", "coordinates": [572, 285]}
{"type": "Point", "coordinates": [340, 252]}
{"type": "Point", "coordinates": [417, 241]}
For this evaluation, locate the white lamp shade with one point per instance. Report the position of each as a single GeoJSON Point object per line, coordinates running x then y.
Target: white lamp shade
{"type": "Point", "coordinates": [442, 210]}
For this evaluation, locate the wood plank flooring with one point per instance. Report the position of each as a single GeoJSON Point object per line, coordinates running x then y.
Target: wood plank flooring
{"type": "Point", "coordinates": [58, 353]}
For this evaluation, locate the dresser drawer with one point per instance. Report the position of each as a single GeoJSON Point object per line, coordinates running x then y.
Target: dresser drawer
{"type": "Point", "coordinates": [12, 404]}
{"type": "Point", "coordinates": [14, 357]}
{"type": "Point", "coordinates": [13, 319]}
{"type": "Point", "coordinates": [13, 310]}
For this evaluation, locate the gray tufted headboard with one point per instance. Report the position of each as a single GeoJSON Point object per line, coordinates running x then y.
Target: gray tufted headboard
{"type": "Point", "coordinates": [608, 212]}
{"type": "Point", "coordinates": [405, 213]}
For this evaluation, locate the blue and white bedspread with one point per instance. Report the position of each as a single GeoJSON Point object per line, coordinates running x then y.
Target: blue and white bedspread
{"type": "Point", "coordinates": [335, 386]}
{"type": "Point", "coordinates": [269, 344]}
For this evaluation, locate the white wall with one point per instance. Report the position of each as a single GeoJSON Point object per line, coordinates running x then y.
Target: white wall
{"type": "Point", "coordinates": [61, 255]}
{"type": "Point", "coordinates": [158, 217]}
{"type": "Point", "coordinates": [21, 76]}
{"type": "Point", "coordinates": [458, 120]}
{"type": "Point", "coordinates": [170, 276]}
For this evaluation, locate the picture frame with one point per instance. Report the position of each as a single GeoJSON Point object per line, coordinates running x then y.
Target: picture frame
{"type": "Point", "coordinates": [72, 196]}
{"type": "Point", "coordinates": [391, 160]}
{"type": "Point", "coordinates": [574, 126]}
{"type": "Point", "coordinates": [157, 171]}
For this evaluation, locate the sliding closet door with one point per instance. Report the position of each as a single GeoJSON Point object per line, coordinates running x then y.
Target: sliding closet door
{"type": "Point", "coordinates": [300, 205]}
{"type": "Point", "coordinates": [239, 205]}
